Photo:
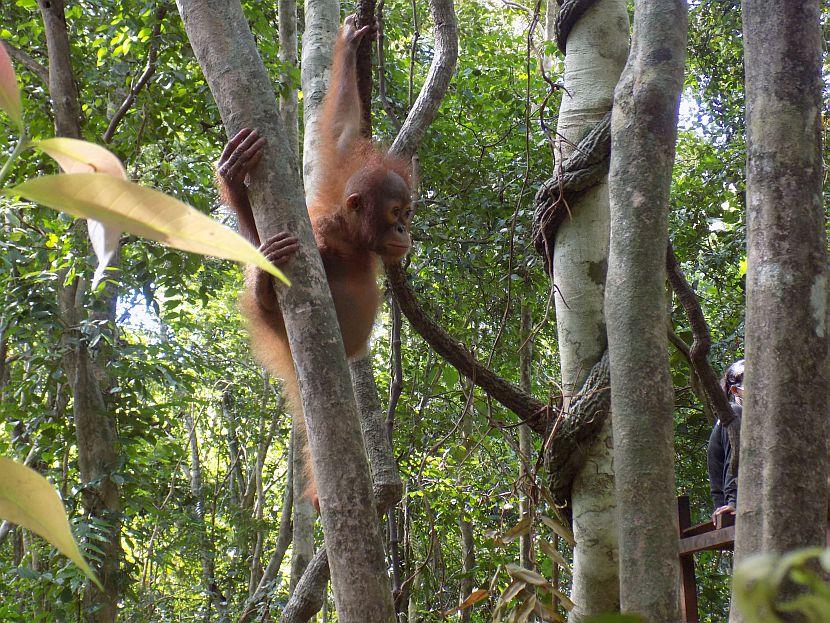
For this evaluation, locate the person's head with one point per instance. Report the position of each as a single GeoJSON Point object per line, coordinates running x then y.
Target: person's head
{"type": "Point", "coordinates": [732, 382]}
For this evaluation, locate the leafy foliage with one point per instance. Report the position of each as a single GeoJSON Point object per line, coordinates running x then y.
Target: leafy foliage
{"type": "Point", "coordinates": [181, 349]}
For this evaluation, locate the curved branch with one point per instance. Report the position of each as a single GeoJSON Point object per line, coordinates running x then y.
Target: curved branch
{"type": "Point", "coordinates": [702, 340]}
{"type": "Point", "coordinates": [436, 84]}
{"type": "Point", "coordinates": [40, 70]}
{"type": "Point", "coordinates": [699, 355]}
{"type": "Point", "coordinates": [533, 412]}
{"type": "Point", "coordinates": [149, 70]}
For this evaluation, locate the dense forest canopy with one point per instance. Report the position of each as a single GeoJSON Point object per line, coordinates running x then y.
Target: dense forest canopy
{"type": "Point", "coordinates": [201, 432]}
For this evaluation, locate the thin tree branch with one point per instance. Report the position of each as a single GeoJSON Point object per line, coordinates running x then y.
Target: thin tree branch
{"type": "Point", "coordinates": [702, 340]}
{"type": "Point", "coordinates": [40, 70]}
{"type": "Point", "coordinates": [533, 412]}
{"type": "Point", "coordinates": [437, 81]}
{"type": "Point", "coordinates": [149, 70]}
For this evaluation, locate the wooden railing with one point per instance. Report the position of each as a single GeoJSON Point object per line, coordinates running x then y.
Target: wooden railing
{"type": "Point", "coordinates": [719, 535]}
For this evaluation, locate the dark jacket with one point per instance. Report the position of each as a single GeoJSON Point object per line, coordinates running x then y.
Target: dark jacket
{"type": "Point", "coordinates": [723, 486]}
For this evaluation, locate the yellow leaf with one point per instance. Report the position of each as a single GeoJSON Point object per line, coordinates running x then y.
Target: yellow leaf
{"type": "Point", "coordinates": [559, 528]}
{"type": "Point", "coordinates": [552, 553]}
{"type": "Point", "coordinates": [523, 527]}
{"type": "Point", "coordinates": [27, 499]}
{"type": "Point", "coordinates": [526, 575]}
{"type": "Point", "coordinates": [141, 211]}
{"type": "Point", "coordinates": [9, 92]}
{"type": "Point", "coordinates": [511, 591]}
{"type": "Point", "coordinates": [548, 614]}
{"type": "Point", "coordinates": [475, 597]}
{"type": "Point", "coordinates": [524, 611]}
{"type": "Point", "coordinates": [75, 156]}
{"type": "Point", "coordinates": [566, 602]}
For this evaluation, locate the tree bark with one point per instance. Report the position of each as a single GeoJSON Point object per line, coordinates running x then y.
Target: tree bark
{"type": "Point", "coordinates": [225, 48]}
{"type": "Point", "coordinates": [62, 87]}
{"type": "Point", "coordinates": [386, 481]}
{"type": "Point", "coordinates": [86, 374]}
{"type": "Point", "coordinates": [310, 593]}
{"type": "Point", "coordinates": [287, 11]}
{"type": "Point", "coordinates": [643, 137]}
{"type": "Point", "coordinates": [437, 82]}
{"type": "Point", "coordinates": [284, 537]}
{"type": "Point", "coordinates": [526, 558]}
{"type": "Point", "coordinates": [782, 504]}
{"type": "Point", "coordinates": [468, 562]}
{"type": "Point", "coordinates": [596, 52]}
{"type": "Point", "coordinates": [322, 19]}
{"type": "Point", "coordinates": [205, 549]}
{"type": "Point", "coordinates": [302, 550]}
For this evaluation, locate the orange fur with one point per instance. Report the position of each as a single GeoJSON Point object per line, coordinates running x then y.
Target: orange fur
{"type": "Point", "coordinates": [346, 239]}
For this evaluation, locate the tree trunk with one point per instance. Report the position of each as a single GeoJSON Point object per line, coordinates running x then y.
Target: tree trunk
{"type": "Point", "coordinates": [94, 428]}
{"type": "Point", "coordinates": [205, 549]}
{"type": "Point", "coordinates": [284, 538]}
{"type": "Point", "coordinates": [302, 548]}
{"type": "Point", "coordinates": [468, 563]}
{"type": "Point", "coordinates": [287, 10]}
{"type": "Point", "coordinates": [62, 88]}
{"type": "Point", "coordinates": [525, 444]}
{"type": "Point", "coordinates": [225, 48]}
{"type": "Point", "coordinates": [782, 503]}
{"type": "Point", "coordinates": [322, 19]}
{"type": "Point", "coordinates": [643, 137]}
{"type": "Point", "coordinates": [596, 53]}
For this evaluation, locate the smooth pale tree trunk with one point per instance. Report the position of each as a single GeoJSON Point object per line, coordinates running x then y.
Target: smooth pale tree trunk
{"type": "Point", "coordinates": [86, 372]}
{"type": "Point", "coordinates": [643, 137]}
{"type": "Point", "coordinates": [386, 481]}
{"type": "Point", "coordinates": [596, 53]}
{"type": "Point", "coordinates": [782, 502]}
{"type": "Point", "coordinates": [226, 51]}
{"type": "Point", "coordinates": [322, 20]}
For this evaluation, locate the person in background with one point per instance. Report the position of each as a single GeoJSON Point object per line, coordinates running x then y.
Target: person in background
{"type": "Point", "coordinates": [722, 484]}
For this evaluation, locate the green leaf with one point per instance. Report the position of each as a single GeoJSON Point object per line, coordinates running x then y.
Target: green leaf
{"type": "Point", "coordinates": [27, 499]}
{"type": "Point", "coordinates": [141, 211]}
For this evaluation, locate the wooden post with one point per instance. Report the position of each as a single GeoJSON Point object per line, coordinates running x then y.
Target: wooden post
{"type": "Point", "coordinates": [688, 581]}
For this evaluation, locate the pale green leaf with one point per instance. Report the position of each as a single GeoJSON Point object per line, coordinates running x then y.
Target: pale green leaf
{"type": "Point", "coordinates": [27, 499]}
{"type": "Point", "coordinates": [141, 211]}
{"type": "Point", "coordinates": [75, 156]}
